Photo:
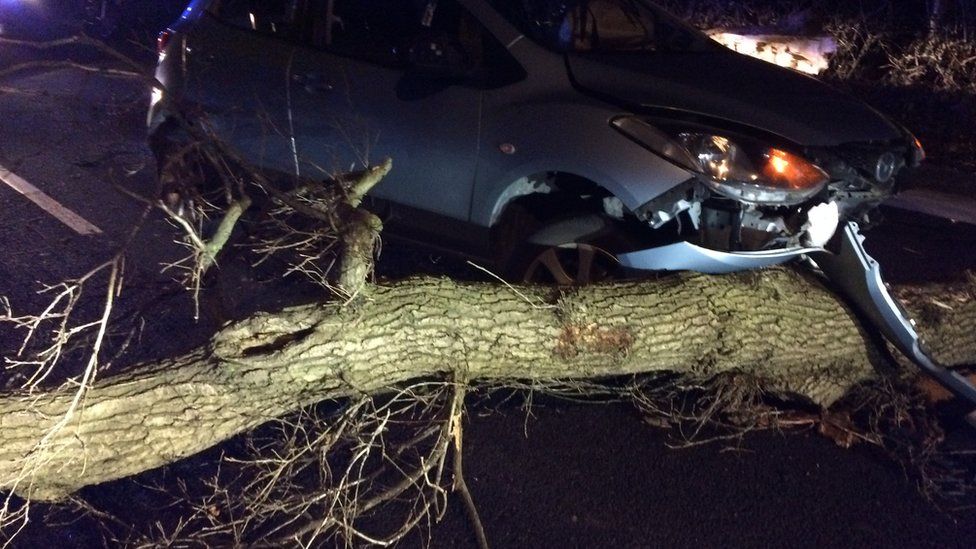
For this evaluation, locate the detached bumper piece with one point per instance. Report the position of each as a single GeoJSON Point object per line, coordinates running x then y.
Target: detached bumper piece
{"type": "Point", "coordinates": [858, 276]}
{"type": "Point", "coordinates": [684, 256]}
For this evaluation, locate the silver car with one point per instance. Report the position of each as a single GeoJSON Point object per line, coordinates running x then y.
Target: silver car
{"type": "Point", "coordinates": [601, 125]}
{"type": "Point", "coordinates": [563, 141]}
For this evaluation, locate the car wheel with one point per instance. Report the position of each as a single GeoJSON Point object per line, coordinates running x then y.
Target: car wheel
{"type": "Point", "coordinates": [571, 264]}
{"type": "Point", "coordinates": [572, 251]}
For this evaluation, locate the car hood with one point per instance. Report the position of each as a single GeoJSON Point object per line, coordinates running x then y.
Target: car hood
{"type": "Point", "coordinates": [733, 87]}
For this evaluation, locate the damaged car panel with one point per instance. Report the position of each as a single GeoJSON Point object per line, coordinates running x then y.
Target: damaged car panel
{"type": "Point", "coordinates": [858, 277]}
{"type": "Point", "coordinates": [564, 141]}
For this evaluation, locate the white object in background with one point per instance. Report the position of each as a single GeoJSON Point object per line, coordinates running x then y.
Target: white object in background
{"type": "Point", "coordinates": [805, 54]}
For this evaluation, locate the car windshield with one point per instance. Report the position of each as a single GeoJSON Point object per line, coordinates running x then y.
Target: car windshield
{"type": "Point", "coordinates": [602, 26]}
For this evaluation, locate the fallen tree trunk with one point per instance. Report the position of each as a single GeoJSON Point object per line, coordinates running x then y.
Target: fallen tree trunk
{"type": "Point", "coordinates": [774, 324]}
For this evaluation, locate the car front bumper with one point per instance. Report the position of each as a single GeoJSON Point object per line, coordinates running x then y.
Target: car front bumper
{"type": "Point", "coordinates": [685, 256]}
{"type": "Point", "coordinates": [851, 269]}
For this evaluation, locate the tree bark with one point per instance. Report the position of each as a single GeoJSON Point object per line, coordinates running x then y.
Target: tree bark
{"type": "Point", "coordinates": [774, 324]}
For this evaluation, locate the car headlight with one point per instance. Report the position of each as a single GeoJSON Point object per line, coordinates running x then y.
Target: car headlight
{"type": "Point", "coordinates": [739, 168]}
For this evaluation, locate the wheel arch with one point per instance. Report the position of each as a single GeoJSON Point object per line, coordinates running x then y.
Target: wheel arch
{"type": "Point", "coordinates": [532, 201]}
{"type": "Point", "coordinates": [550, 190]}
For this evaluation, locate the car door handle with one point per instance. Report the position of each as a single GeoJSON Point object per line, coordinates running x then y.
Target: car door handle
{"type": "Point", "coordinates": [312, 82]}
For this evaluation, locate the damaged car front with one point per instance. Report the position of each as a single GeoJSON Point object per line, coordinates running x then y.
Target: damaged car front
{"type": "Point", "coordinates": [753, 201]}
{"type": "Point", "coordinates": [563, 141]}
{"type": "Point", "coordinates": [776, 159]}
{"type": "Point", "coordinates": [779, 165]}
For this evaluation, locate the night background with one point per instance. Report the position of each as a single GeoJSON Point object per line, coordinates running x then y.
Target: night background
{"type": "Point", "coordinates": [544, 470]}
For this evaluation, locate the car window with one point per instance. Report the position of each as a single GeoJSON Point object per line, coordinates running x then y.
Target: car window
{"type": "Point", "coordinates": [373, 30]}
{"type": "Point", "coordinates": [607, 25]}
{"type": "Point", "coordinates": [383, 32]}
{"type": "Point", "coordinates": [280, 18]}
{"type": "Point", "coordinates": [602, 26]}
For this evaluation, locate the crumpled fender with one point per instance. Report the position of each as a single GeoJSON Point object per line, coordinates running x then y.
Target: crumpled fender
{"type": "Point", "coordinates": [858, 277]}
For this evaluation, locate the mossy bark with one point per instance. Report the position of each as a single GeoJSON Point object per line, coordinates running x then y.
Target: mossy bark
{"type": "Point", "coordinates": [774, 324]}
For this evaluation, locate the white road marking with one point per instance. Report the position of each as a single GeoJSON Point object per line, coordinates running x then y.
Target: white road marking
{"type": "Point", "coordinates": [77, 223]}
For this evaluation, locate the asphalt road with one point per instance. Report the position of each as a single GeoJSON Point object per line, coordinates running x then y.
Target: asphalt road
{"type": "Point", "coordinates": [572, 475]}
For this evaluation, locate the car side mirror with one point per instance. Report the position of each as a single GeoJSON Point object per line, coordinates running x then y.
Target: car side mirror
{"type": "Point", "coordinates": [439, 57]}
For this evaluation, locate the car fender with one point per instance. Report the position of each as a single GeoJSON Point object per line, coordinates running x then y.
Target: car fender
{"type": "Point", "coordinates": [563, 137]}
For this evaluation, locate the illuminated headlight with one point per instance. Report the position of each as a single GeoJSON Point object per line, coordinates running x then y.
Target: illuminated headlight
{"type": "Point", "coordinates": [753, 172]}
{"type": "Point", "coordinates": [743, 169]}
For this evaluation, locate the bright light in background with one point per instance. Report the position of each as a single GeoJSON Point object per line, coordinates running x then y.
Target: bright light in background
{"type": "Point", "coordinates": [805, 54]}
{"type": "Point", "coordinates": [10, 10]}
{"type": "Point", "coordinates": [8, 7]}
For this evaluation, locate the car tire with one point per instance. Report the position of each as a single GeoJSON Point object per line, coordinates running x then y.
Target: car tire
{"type": "Point", "coordinates": [545, 256]}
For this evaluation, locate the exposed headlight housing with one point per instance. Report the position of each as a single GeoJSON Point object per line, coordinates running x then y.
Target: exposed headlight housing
{"type": "Point", "coordinates": [752, 172]}
{"type": "Point", "coordinates": [739, 168]}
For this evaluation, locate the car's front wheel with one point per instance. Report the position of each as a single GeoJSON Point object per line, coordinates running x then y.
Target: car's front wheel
{"type": "Point", "coordinates": [570, 251]}
{"type": "Point", "coordinates": [571, 264]}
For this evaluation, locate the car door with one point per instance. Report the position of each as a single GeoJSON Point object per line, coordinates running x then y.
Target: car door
{"type": "Point", "coordinates": [356, 101]}
{"type": "Point", "coordinates": [237, 62]}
